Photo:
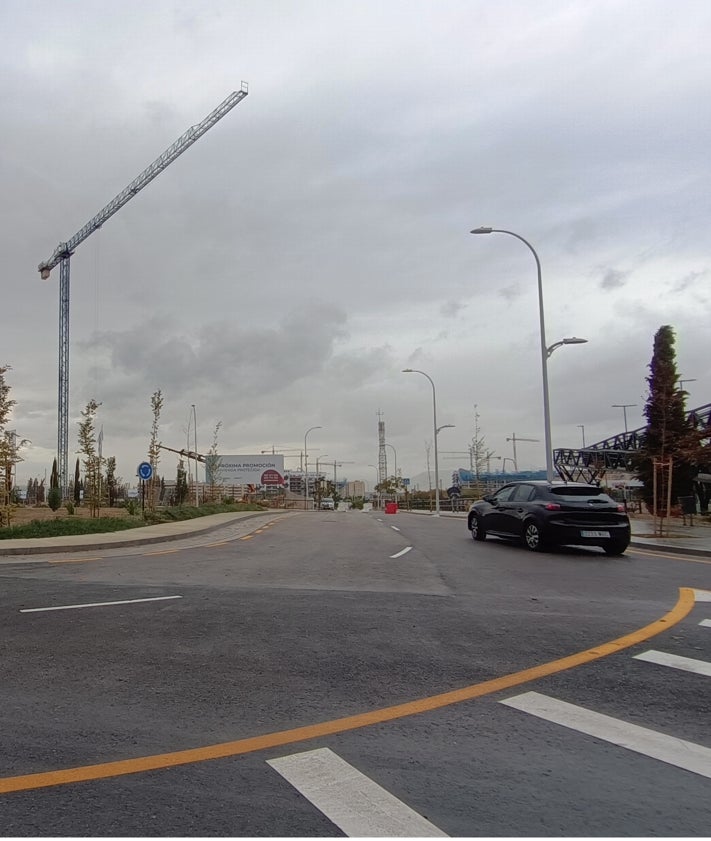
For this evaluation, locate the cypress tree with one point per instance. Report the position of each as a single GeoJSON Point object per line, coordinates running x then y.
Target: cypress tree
{"type": "Point", "coordinates": [667, 434]}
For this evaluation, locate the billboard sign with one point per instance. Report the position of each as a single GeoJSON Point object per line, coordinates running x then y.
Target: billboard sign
{"type": "Point", "coordinates": [259, 470]}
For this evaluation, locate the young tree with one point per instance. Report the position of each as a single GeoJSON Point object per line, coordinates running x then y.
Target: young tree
{"type": "Point", "coordinates": [181, 484]}
{"type": "Point", "coordinates": [667, 436]}
{"type": "Point", "coordinates": [212, 463]}
{"type": "Point", "coordinates": [77, 484]}
{"type": "Point", "coordinates": [92, 460]}
{"type": "Point", "coordinates": [54, 497]}
{"type": "Point", "coordinates": [9, 450]}
{"type": "Point", "coordinates": [111, 480]}
{"type": "Point", "coordinates": [154, 448]}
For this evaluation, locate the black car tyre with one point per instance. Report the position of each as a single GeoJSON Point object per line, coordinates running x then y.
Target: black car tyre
{"type": "Point", "coordinates": [477, 529]}
{"type": "Point", "coordinates": [613, 548]}
{"type": "Point", "coordinates": [532, 536]}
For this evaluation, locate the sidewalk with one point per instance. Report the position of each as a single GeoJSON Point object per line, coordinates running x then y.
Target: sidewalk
{"type": "Point", "coordinates": [695, 539]}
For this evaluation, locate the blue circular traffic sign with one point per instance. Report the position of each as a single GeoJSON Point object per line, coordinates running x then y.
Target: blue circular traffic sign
{"type": "Point", "coordinates": [145, 471]}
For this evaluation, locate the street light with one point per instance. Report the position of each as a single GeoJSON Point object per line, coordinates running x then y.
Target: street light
{"type": "Point", "coordinates": [197, 500]}
{"type": "Point", "coordinates": [544, 349]}
{"type": "Point", "coordinates": [306, 465]}
{"type": "Point", "coordinates": [624, 407]}
{"type": "Point", "coordinates": [395, 454]}
{"type": "Point", "coordinates": [573, 340]}
{"type": "Point", "coordinates": [317, 479]}
{"type": "Point", "coordinates": [687, 380]}
{"type": "Point", "coordinates": [377, 480]}
{"type": "Point", "coordinates": [581, 427]}
{"type": "Point", "coordinates": [436, 432]}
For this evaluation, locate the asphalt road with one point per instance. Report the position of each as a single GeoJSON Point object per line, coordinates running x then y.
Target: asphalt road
{"type": "Point", "coordinates": [339, 638]}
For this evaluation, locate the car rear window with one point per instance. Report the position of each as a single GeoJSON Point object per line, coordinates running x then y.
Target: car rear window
{"type": "Point", "coordinates": [572, 494]}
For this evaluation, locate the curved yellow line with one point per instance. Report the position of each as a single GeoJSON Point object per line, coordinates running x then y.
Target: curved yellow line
{"type": "Point", "coordinates": [326, 728]}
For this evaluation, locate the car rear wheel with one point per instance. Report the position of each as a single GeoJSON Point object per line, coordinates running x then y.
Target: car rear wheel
{"type": "Point", "coordinates": [615, 548]}
{"type": "Point", "coordinates": [532, 536]}
{"type": "Point", "coordinates": [477, 529]}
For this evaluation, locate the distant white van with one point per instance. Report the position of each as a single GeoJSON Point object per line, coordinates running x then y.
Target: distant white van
{"type": "Point", "coordinates": [327, 504]}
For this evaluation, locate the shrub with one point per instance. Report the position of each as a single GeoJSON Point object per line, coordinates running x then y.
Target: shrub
{"type": "Point", "coordinates": [54, 498]}
{"type": "Point", "coordinates": [69, 505]}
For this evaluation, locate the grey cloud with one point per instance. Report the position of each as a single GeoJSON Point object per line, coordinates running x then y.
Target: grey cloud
{"type": "Point", "coordinates": [613, 279]}
{"type": "Point", "coordinates": [689, 280]}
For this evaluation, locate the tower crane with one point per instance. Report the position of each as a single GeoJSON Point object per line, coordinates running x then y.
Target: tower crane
{"type": "Point", "coordinates": [64, 251]}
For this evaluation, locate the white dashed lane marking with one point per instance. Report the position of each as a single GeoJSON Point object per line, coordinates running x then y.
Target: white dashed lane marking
{"type": "Point", "coordinates": [401, 552]}
{"type": "Point", "coordinates": [357, 805]}
{"type": "Point", "coordinates": [97, 604]}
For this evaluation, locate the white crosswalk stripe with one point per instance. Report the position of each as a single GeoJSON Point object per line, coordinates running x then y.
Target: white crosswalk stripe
{"type": "Point", "coordinates": [357, 805]}
{"type": "Point", "coordinates": [706, 623]}
{"type": "Point", "coordinates": [674, 661]}
{"type": "Point", "coordinates": [669, 749]}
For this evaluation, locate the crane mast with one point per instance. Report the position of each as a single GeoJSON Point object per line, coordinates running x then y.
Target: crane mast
{"type": "Point", "coordinates": [64, 251]}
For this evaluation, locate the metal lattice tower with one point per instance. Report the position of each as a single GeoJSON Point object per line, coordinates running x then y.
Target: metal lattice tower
{"type": "Point", "coordinates": [382, 453]}
{"type": "Point", "coordinates": [64, 251]}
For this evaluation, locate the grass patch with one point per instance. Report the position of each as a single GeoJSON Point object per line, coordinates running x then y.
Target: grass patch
{"type": "Point", "coordinates": [61, 526]}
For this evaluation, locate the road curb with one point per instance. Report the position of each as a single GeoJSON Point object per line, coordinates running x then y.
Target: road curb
{"type": "Point", "coordinates": [118, 540]}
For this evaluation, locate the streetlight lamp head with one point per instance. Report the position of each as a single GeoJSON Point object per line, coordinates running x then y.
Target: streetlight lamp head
{"type": "Point", "coordinates": [574, 340]}
{"type": "Point", "coordinates": [407, 371]}
{"type": "Point", "coordinates": [482, 230]}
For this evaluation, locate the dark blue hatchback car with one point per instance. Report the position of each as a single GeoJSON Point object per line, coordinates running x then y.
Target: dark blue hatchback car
{"type": "Point", "coordinates": [552, 513]}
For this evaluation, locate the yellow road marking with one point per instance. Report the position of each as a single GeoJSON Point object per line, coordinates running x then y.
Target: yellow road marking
{"type": "Point", "coordinates": [25, 782]}
{"type": "Point", "coordinates": [247, 537]}
{"type": "Point", "coordinates": [162, 552]}
{"type": "Point", "coordinates": [74, 560]}
{"type": "Point", "coordinates": [219, 543]}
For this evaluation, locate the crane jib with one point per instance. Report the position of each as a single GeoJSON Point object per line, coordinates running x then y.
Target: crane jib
{"type": "Point", "coordinates": [65, 249]}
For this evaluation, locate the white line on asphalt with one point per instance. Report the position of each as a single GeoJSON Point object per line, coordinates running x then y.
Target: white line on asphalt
{"type": "Point", "coordinates": [706, 623]}
{"type": "Point", "coordinates": [669, 749]}
{"type": "Point", "coordinates": [686, 664]}
{"type": "Point", "coordinates": [357, 805]}
{"type": "Point", "coordinates": [97, 604]}
{"type": "Point", "coordinates": [394, 528]}
{"type": "Point", "coordinates": [702, 595]}
{"type": "Point", "coordinates": [401, 552]}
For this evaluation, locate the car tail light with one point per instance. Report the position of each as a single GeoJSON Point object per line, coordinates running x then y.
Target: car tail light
{"type": "Point", "coordinates": [552, 506]}
{"type": "Point", "coordinates": [621, 509]}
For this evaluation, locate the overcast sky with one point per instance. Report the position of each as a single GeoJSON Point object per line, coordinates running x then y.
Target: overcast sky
{"type": "Point", "coordinates": [284, 270]}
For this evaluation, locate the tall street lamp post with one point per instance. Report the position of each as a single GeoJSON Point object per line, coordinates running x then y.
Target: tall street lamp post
{"type": "Point", "coordinates": [436, 432]}
{"type": "Point", "coordinates": [545, 351]}
{"type": "Point", "coordinates": [581, 427]}
{"type": "Point", "coordinates": [306, 465]}
{"type": "Point", "coordinates": [197, 498]}
{"type": "Point", "coordinates": [395, 455]}
{"type": "Point", "coordinates": [624, 407]}
{"type": "Point", "coordinates": [377, 480]}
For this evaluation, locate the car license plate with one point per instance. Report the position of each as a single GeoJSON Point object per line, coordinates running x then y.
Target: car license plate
{"type": "Point", "coordinates": [594, 533]}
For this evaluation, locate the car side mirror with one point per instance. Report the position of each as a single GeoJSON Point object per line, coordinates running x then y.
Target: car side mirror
{"type": "Point", "coordinates": [490, 499]}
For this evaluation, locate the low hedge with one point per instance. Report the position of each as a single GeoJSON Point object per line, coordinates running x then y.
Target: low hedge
{"type": "Point", "coordinates": [61, 526]}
